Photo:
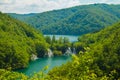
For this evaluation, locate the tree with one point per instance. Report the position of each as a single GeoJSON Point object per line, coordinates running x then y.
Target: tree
{"type": "Point", "coordinates": [48, 39]}
{"type": "Point", "coordinates": [66, 40]}
{"type": "Point", "coordinates": [53, 39]}
{"type": "Point", "coordinates": [60, 41]}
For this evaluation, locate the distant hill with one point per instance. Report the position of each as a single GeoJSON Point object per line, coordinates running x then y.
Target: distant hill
{"type": "Point", "coordinates": [73, 21]}
{"type": "Point", "coordinates": [18, 42]}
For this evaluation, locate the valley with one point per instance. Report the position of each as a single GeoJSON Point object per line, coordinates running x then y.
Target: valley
{"type": "Point", "coordinates": [77, 43]}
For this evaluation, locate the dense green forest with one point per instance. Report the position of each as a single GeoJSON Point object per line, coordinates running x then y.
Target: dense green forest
{"type": "Point", "coordinates": [98, 55]}
{"type": "Point", "coordinates": [98, 52]}
{"type": "Point", "coordinates": [18, 42]}
{"type": "Point", "coordinates": [73, 21]}
{"type": "Point", "coordinates": [98, 58]}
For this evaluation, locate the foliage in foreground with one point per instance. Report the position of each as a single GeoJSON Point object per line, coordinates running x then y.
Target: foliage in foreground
{"type": "Point", "coordinates": [9, 75]}
{"type": "Point", "coordinates": [99, 61]}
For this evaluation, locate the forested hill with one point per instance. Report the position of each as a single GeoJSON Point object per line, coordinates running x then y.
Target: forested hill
{"type": "Point", "coordinates": [76, 20]}
{"type": "Point", "coordinates": [98, 59]}
{"type": "Point", "coordinates": [18, 42]}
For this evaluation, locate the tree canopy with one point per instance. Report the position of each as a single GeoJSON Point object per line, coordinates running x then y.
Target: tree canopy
{"type": "Point", "coordinates": [18, 41]}
{"type": "Point", "coordinates": [73, 21]}
{"type": "Point", "coordinates": [98, 58]}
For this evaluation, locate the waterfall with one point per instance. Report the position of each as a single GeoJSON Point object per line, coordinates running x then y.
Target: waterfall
{"type": "Point", "coordinates": [74, 51]}
{"type": "Point", "coordinates": [68, 51]}
{"type": "Point", "coordinates": [50, 54]}
{"type": "Point", "coordinates": [34, 57]}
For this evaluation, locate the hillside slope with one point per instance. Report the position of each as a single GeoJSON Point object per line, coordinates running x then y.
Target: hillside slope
{"type": "Point", "coordinates": [18, 42]}
{"type": "Point", "coordinates": [73, 21]}
{"type": "Point", "coordinates": [98, 60]}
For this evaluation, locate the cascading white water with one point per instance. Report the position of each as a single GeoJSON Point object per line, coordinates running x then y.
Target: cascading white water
{"type": "Point", "coordinates": [50, 53]}
{"type": "Point", "coordinates": [34, 57]}
{"type": "Point", "coordinates": [74, 51]}
{"type": "Point", "coordinates": [68, 51]}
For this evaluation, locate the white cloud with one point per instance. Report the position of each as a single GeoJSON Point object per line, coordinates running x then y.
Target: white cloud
{"type": "Point", "coordinates": [6, 1]}
{"type": "Point", "coordinates": [113, 1]}
{"type": "Point", "coordinates": [31, 6]}
{"type": "Point", "coordinates": [37, 6]}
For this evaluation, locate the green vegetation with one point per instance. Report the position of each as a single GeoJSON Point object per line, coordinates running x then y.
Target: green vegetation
{"type": "Point", "coordinates": [99, 60]}
{"type": "Point", "coordinates": [18, 42]}
{"type": "Point", "coordinates": [10, 75]}
{"type": "Point", "coordinates": [59, 46]}
{"type": "Point", "coordinates": [76, 20]}
{"type": "Point", "coordinates": [98, 55]}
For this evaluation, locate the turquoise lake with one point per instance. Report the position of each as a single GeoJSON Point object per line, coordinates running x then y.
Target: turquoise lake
{"type": "Point", "coordinates": [72, 38]}
{"type": "Point", "coordinates": [39, 64]}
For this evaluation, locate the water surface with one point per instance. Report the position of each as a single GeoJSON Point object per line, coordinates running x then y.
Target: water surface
{"type": "Point", "coordinates": [72, 38]}
{"type": "Point", "coordinates": [39, 64]}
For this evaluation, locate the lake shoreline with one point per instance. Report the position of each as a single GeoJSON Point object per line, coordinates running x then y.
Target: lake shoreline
{"type": "Point", "coordinates": [72, 38]}
{"type": "Point", "coordinates": [39, 64]}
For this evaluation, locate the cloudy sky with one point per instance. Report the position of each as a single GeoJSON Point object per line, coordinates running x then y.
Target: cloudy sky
{"type": "Point", "coordinates": [37, 6]}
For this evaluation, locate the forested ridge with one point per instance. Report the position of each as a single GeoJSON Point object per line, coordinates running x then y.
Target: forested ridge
{"type": "Point", "coordinates": [18, 42]}
{"type": "Point", "coordinates": [73, 21]}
